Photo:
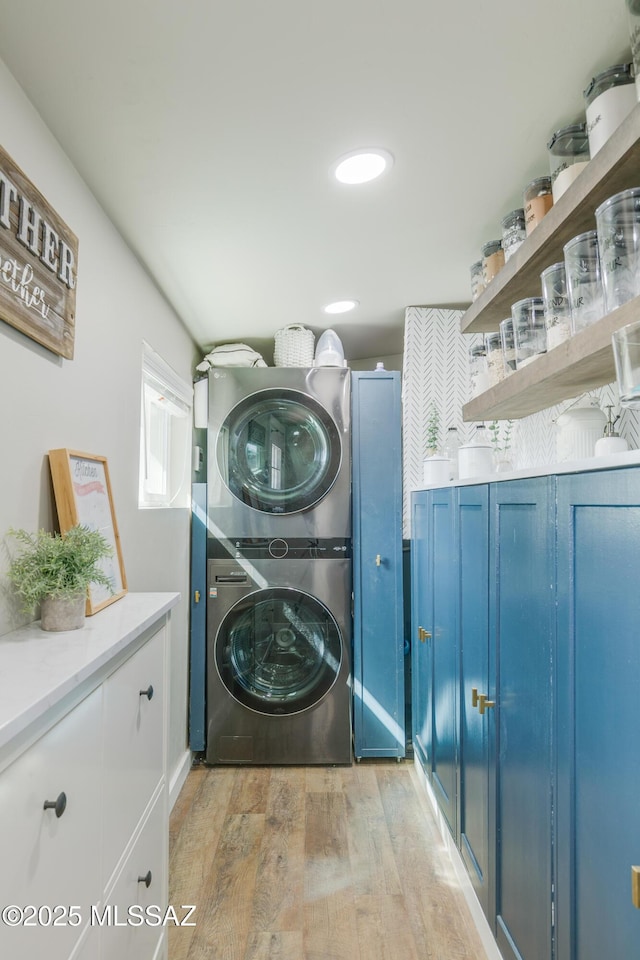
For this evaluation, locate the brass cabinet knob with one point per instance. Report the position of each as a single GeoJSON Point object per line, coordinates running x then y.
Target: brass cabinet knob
{"type": "Point", "coordinates": [474, 696]}
{"type": "Point", "coordinates": [423, 634]}
{"type": "Point", "coordinates": [484, 703]}
{"type": "Point", "coordinates": [196, 596]}
{"type": "Point", "coordinates": [378, 560]}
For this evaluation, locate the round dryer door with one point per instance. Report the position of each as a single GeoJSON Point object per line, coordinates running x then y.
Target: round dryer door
{"type": "Point", "coordinates": [279, 451]}
{"type": "Point", "coordinates": [278, 651]}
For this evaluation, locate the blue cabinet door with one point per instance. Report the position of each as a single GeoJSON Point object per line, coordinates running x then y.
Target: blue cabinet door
{"type": "Point", "coordinates": [522, 622]}
{"type": "Point", "coordinates": [598, 714]}
{"type": "Point", "coordinates": [421, 690]}
{"type": "Point", "coordinates": [378, 651]}
{"type": "Point", "coordinates": [473, 544]}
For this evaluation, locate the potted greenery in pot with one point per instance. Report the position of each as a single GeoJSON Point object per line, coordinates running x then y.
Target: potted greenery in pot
{"type": "Point", "coordinates": [55, 571]}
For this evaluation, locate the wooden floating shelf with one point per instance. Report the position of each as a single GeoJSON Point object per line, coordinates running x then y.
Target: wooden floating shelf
{"type": "Point", "coordinates": [615, 167]}
{"type": "Point", "coordinates": [581, 363]}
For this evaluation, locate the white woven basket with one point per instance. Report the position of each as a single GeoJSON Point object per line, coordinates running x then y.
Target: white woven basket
{"type": "Point", "coordinates": [293, 346]}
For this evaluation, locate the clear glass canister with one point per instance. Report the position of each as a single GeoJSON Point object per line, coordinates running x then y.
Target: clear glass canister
{"type": "Point", "coordinates": [492, 259]}
{"type": "Point", "coordinates": [618, 228]}
{"type": "Point", "coordinates": [529, 331]}
{"type": "Point", "coordinates": [584, 283]}
{"type": "Point", "coordinates": [478, 374]}
{"type": "Point", "coordinates": [538, 200]}
{"type": "Point", "coordinates": [477, 280]}
{"type": "Point", "coordinates": [633, 8]}
{"type": "Point", "coordinates": [568, 156]}
{"type": "Point", "coordinates": [557, 308]}
{"type": "Point", "coordinates": [495, 360]}
{"type": "Point", "coordinates": [508, 345]}
{"type": "Point", "coordinates": [513, 232]}
{"type": "Point", "coordinates": [609, 97]}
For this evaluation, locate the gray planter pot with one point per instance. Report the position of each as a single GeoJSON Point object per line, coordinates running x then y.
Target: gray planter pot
{"type": "Point", "coordinates": [58, 614]}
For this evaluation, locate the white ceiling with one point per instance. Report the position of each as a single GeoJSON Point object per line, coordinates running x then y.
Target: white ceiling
{"type": "Point", "coordinates": [206, 129]}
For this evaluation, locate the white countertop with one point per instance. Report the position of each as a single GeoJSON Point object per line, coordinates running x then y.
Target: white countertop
{"type": "Point", "coordinates": [629, 458]}
{"type": "Point", "coordinates": [38, 668]}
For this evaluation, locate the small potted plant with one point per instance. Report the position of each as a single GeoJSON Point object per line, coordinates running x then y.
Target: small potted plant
{"type": "Point", "coordinates": [501, 442]}
{"type": "Point", "coordinates": [55, 571]}
{"type": "Point", "coordinates": [433, 431]}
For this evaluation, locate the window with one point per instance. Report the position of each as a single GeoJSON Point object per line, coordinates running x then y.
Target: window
{"type": "Point", "coordinates": [165, 434]}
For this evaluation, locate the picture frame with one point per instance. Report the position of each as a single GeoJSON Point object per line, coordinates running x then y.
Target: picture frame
{"type": "Point", "coordinates": [82, 491]}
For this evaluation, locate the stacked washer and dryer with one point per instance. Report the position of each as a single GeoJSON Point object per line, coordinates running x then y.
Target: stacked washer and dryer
{"type": "Point", "coordinates": [278, 566]}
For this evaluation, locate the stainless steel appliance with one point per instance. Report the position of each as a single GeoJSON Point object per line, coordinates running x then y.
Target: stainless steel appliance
{"type": "Point", "coordinates": [278, 638]}
{"type": "Point", "coordinates": [279, 452]}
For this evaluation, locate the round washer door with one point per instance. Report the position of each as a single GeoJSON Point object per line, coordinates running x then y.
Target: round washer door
{"type": "Point", "coordinates": [279, 451]}
{"type": "Point", "coordinates": [278, 651]}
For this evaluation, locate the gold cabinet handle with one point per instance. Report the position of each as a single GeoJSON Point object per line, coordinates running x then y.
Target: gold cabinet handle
{"type": "Point", "coordinates": [423, 634]}
{"type": "Point", "coordinates": [378, 560]}
{"type": "Point", "coordinates": [474, 696]}
{"type": "Point", "coordinates": [484, 703]}
{"type": "Point", "coordinates": [635, 886]}
{"type": "Point", "coordinates": [196, 596]}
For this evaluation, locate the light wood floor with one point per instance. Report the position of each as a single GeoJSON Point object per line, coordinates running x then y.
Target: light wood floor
{"type": "Point", "coordinates": [313, 863]}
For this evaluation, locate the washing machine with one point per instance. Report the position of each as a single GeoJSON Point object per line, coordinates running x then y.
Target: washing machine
{"type": "Point", "coordinates": [278, 640]}
{"type": "Point", "coordinates": [279, 452]}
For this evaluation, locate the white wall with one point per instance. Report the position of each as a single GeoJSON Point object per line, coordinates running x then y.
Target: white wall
{"type": "Point", "coordinates": [92, 402]}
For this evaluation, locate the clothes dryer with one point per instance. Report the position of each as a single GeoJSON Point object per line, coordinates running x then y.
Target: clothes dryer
{"type": "Point", "coordinates": [279, 452]}
{"type": "Point", "coordinates": [278, 666]}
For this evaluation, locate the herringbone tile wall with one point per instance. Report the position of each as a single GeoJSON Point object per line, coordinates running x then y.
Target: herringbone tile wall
{"type": "Point", "coordinates": [436, 370]}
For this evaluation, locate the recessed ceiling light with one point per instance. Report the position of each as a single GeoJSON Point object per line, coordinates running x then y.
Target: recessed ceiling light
{"type": "Point", "coordinates": [341, 306]}
{"type": "Point", "coordinates": [360, 166]}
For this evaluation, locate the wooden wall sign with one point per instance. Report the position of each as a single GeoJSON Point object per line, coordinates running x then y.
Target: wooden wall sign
{"type": "Point", "coordinates": [38, 263]}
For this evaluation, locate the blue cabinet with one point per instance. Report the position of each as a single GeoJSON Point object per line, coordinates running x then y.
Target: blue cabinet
{"type": "Point", "coordinates": [521, 623]}
{"type": "Point", "coordinates": [598, 765]}
{"type": "Point", "coordinates": [435, 666]}
{"type": "Point", "coordinates": [472, 508]}
{"type": "Point", "coordinates": [378, 648]}
{"type": "Point", "coordinates": [421, 671]}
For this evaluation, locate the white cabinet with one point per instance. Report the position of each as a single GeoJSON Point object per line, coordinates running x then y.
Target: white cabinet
{"type": "Point", "coordinates": [83, 790]}
{"type": "Point", "coordinates": [134, 702]}
{"type": "Point", "coordinates": [39, 849]}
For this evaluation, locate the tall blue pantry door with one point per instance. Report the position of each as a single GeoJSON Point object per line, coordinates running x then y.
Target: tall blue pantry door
{"type": "Point", "coordinates": [198, 617]}
{"type": "Point", "coordinates": [473, 543]}
{"type": "Point", "coordinates": [378, 652]}
{"type": "Point", "coordinates": [598, 835]}
{"type": "Point", "coordinates": [421, 669]}
{"type": "Point", "coordinates": [522, 623]}
{"type": "Point", "coordinates": [435, 644]}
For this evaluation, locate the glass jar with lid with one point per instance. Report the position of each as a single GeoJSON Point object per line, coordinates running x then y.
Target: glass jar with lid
{"type": "Point", "coordinates": [529, 331]}
{"type": "Point", "coordinates": [492, 259]}
{"type": "Point", "coordinates": [513, 232]}
{"type": "Point", "coordinates": [477, 280]}
{"type": "Point", "coordinates": [478, 375]}
{"type": "Point", "coordinates": [568, 156]}
{"type": "Point", "coordinates": [557, 306]}
{"type": "Point", "coordinates": [538, 200]}
{"type": "Point", "coordinates": [610, 96]}
{"type": "Point", "coordinates": [495, 361]}
{"type": "Point", "coordinates": [508, 345]}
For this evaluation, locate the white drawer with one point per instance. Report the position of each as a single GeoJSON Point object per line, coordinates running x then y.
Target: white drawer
{"type": "Point", "coordinates": [46, 860]}
{"type": "Point", "coordinates": [133, 745]}
{"type": "Point", "coordinates": [129, 897]}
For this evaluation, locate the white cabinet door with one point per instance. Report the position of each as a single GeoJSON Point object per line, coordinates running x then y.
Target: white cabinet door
{"type": "Point", "coordinates": [50, 861]}
{"type": "Point", "coordinates": [134, 907]}
{"type": "Point", "coordinates": [134, 705]}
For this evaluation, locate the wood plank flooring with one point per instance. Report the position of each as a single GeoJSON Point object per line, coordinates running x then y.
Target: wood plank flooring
{"type": "Point", "coordinates": [313, 863]}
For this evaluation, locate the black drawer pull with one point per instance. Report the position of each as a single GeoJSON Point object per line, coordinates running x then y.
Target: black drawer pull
{"type": "Point", "coordinates": [148, 693]}
{"type": "Point", "coordinates": [146, 879]}
{"type": "Point", "coordinates": [59, 805]}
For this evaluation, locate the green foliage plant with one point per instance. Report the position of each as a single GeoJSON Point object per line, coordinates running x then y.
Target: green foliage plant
{"type": "Point", "coordinates": [501, 435]}
{"type": "Point", "coordinates": [433, 430]}
{"type": "Point", "coordinates": [53, 565]}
